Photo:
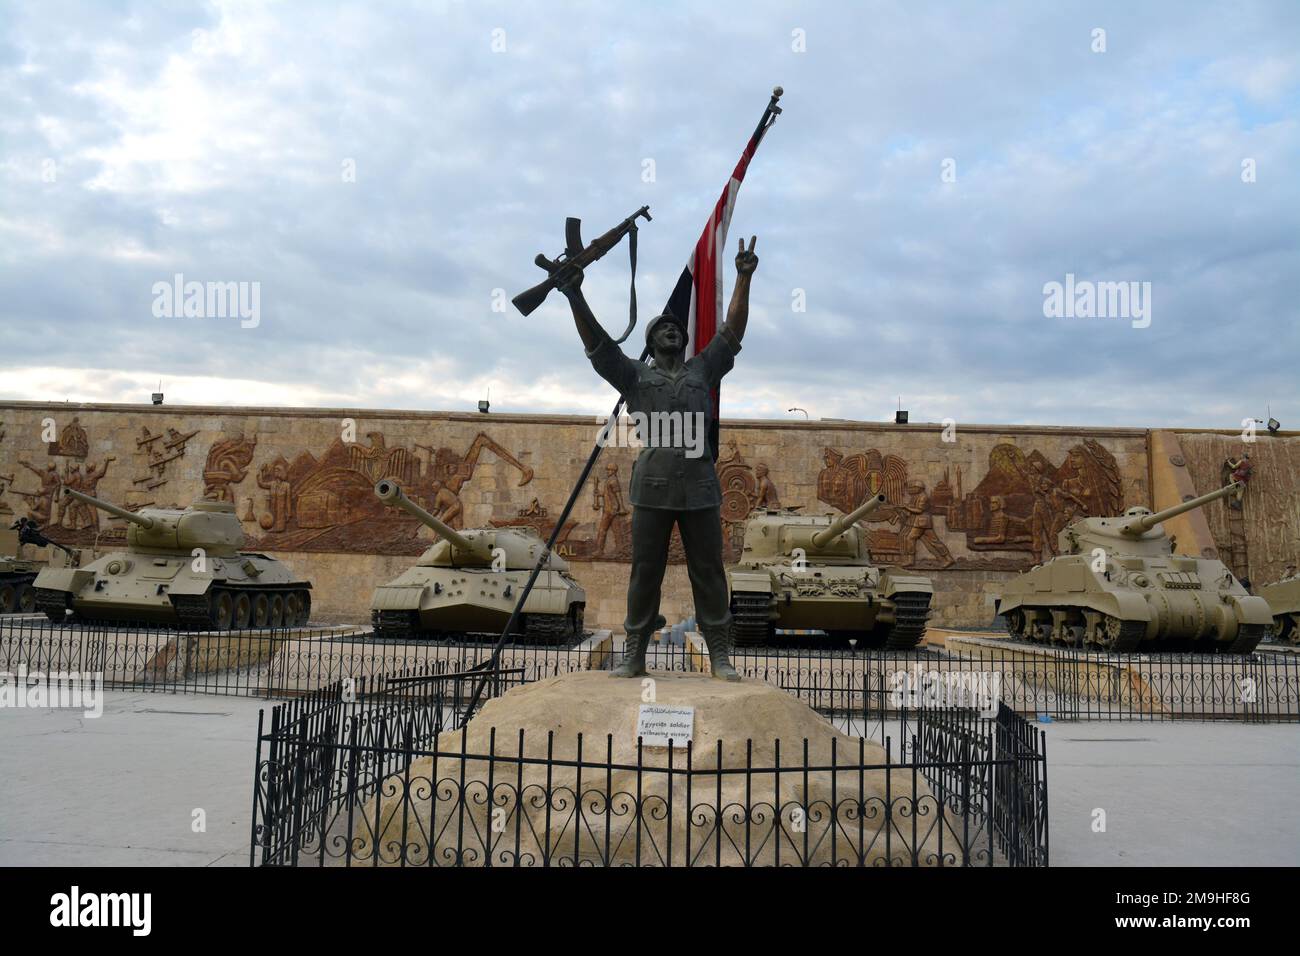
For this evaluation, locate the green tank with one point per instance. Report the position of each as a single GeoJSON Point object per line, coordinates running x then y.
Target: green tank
{"type": "Point", "coordinates": [814, 572]}
{"type": "Point", "coordinates": [16, 575]}
{"type": "Point", "coordinates": [181, 568]}
{"type": "Point", "coordinates": [1116, 585]}
{"type": "Point", "coordinates": [1283, 599]}
{"type": "Point", "coordinates": [468, 583]}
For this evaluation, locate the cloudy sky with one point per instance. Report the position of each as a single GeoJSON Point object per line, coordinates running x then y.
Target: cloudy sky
{"type": "Point", "coordinates": [383, 170]}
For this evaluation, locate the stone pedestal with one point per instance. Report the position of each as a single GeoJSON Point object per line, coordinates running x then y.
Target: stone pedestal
{"type": "Point", "coordinates": [770, 782]}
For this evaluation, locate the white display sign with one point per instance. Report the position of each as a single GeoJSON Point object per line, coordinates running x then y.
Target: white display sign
{"type": "Point", "coordinates": [658, 723]}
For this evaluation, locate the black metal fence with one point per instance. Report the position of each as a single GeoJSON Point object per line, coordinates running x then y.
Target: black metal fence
{"type": "Point", "coordinates": [390, 780]}
{"type": "Point", "coordinates": [856, 689]}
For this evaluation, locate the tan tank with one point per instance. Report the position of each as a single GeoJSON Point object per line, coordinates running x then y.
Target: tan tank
{"type": "Point", "coordinates": [18, 568]}
{"type": "Point", "coordinates": [1283, 599]}
{"type": "Point", "coordinates": [17, 573]}
{"type": "Point", "coordinates": [468, 583]}
{"type": "Point", "coordinates": [181, 568]}
{"type": "Point", "coordinates": [814, 572]}
{"type": "Point", "coordinates": [1117, 585]}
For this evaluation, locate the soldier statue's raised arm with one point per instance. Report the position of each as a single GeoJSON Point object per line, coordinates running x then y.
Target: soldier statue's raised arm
{"type": "Point", "coordinates": [673, 482]}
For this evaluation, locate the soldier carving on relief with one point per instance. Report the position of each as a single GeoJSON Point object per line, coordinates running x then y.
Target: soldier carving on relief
{"type": "Point", "coordinates": [274, 478]}
{"type": "Point", "coordinates": [921, 527]}
{"type": "Point", "coordinates": [766, 495]}
{"type": "Point", "coordinates": [42, 507]}
{"type": "Point", "coordinates": [608, 500]}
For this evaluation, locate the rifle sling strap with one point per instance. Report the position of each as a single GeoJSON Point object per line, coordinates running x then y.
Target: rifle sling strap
{"type": "Point", "coordinates": [631, 309]}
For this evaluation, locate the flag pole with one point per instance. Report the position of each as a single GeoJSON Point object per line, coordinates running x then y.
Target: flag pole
{"type": "Point", "coordinates": [491, 666]}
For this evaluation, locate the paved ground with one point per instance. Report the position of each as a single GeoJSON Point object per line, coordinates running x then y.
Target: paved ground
{"type": "Point", "coordinates": [122, 789]}
{"type": "Point", "coordinates": [1175, 794]}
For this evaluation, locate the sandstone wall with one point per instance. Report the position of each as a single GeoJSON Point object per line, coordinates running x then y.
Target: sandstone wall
{"type": "Point", "coordinates": [301, 482]}
{"type": "Point", "coordinates": [1264, 536]}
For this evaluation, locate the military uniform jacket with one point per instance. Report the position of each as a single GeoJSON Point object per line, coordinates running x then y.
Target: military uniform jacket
{"type": "Point", "coordinates": [666, 477]}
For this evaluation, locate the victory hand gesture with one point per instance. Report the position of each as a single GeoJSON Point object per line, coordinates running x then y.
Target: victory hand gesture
{"type": "Point", "coordinates": [746, 261]}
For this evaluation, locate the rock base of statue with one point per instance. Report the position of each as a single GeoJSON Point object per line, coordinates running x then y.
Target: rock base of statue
{"type": "Point", "coordinates": [552, 773]}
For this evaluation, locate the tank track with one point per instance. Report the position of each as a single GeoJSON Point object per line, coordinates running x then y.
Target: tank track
{"type": "Point", "coordinates": [1248, 638]}
{"type": "Point", "coordinates": [750, 624]}
{"type": "Point", "coordinates": [911, 611]}
{"type": "Point", "coordinates": [538, 628]}
{"type": "Point", "coordinates": [395, 624]}
{"type": "Point", "coordinates": [53, 604]}
{"type": "Point", "coordinates": [548, 628]}
{"type": "Point", "coordinates": [192, 612]}
{"type": "Point", "coordinates": [1131, 634]}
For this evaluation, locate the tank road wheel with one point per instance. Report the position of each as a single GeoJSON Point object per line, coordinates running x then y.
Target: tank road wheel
{"type": "Point", "coordinates": [275, 616]}
{"type": "Point", "coordinates": [243, 611]}
{"type": "Point", "coordinates": [303, 616]}
{"type": "Point", "coordinates": [292, 609]}
{"type": "Point", "coordinates": [1038, 627]}
{"type": "Point", "coordinates": [222, 610]}
{"type": "Point", "coordinates": [1287, 628]}
{"type": "Point", "coordinates": [1015, 622]}
{"type": "Point", "coordinates": [26, 599]}
{"type": "Point", "coordinates": [261, 610]}
{"type": "Point", "coordinates": [8, 598]}
{"type": "Point", "coordinates": [1068, 628]}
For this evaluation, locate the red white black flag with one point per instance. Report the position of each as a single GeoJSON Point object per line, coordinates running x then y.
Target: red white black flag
{"type": "Point", "coordinates": [697, 297]}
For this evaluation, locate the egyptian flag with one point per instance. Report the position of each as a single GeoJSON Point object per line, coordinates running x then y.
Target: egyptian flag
{"type": "Point", "coordinates": [697, 297]}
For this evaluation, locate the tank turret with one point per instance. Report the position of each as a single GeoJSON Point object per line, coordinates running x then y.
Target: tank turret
{"type": "Point", "coordinates": [1137, 531]}
{"type": "Point", "coordinates": [210, 525]}
{"type": "Point", "coordinates": [391, 494]}
{"type": "Point", "coordinates": [841, 524]}
{"type": "Point", "coordinates": [1140, 523]}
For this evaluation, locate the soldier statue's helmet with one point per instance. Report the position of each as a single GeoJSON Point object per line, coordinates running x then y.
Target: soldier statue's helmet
{"type": "Point", "coordinates": [915, 486]}
{"type": "Point", "coordinates": [666, 317]}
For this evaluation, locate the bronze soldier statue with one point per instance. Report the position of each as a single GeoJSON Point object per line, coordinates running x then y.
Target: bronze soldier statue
{"type": "Point", "coordinates": [668, 486]}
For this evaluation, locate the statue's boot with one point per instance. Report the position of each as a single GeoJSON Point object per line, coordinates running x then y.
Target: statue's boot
{"type": "Point", "coordinates": [634, 649]}
{"type": "Point", "coordinates": [719, 642]}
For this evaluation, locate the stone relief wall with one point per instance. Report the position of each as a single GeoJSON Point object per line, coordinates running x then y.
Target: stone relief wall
{"type": "Point", "coordinates": [1263, 535]}
{"type": "Point", "coordinates": [969, 512]}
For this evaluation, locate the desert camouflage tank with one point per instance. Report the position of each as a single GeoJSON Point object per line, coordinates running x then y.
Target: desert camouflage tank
{"type": "Point", "coordinates": [180, 569]}
{"type": "Point", "coordinates": [1116, 585]}
{"type": "Point", "coordinates": [1283, 599]}
{"type": "Point", "coordinates": [468, 583]}
{"type": "Point", "coordinates": [813, 572]}
{"type": "Point", "coordinates": [18, 571]}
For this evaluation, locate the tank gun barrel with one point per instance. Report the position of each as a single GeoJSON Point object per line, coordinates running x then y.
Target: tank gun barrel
{"type": "Point", "coordinates": [841, 524]}
{"type": "Point", "coordinates": [1147, 522]}
{"type": "Point", "coordinates": [142, 520]}
{"type": "Point", "coordinates": [391, 494]}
